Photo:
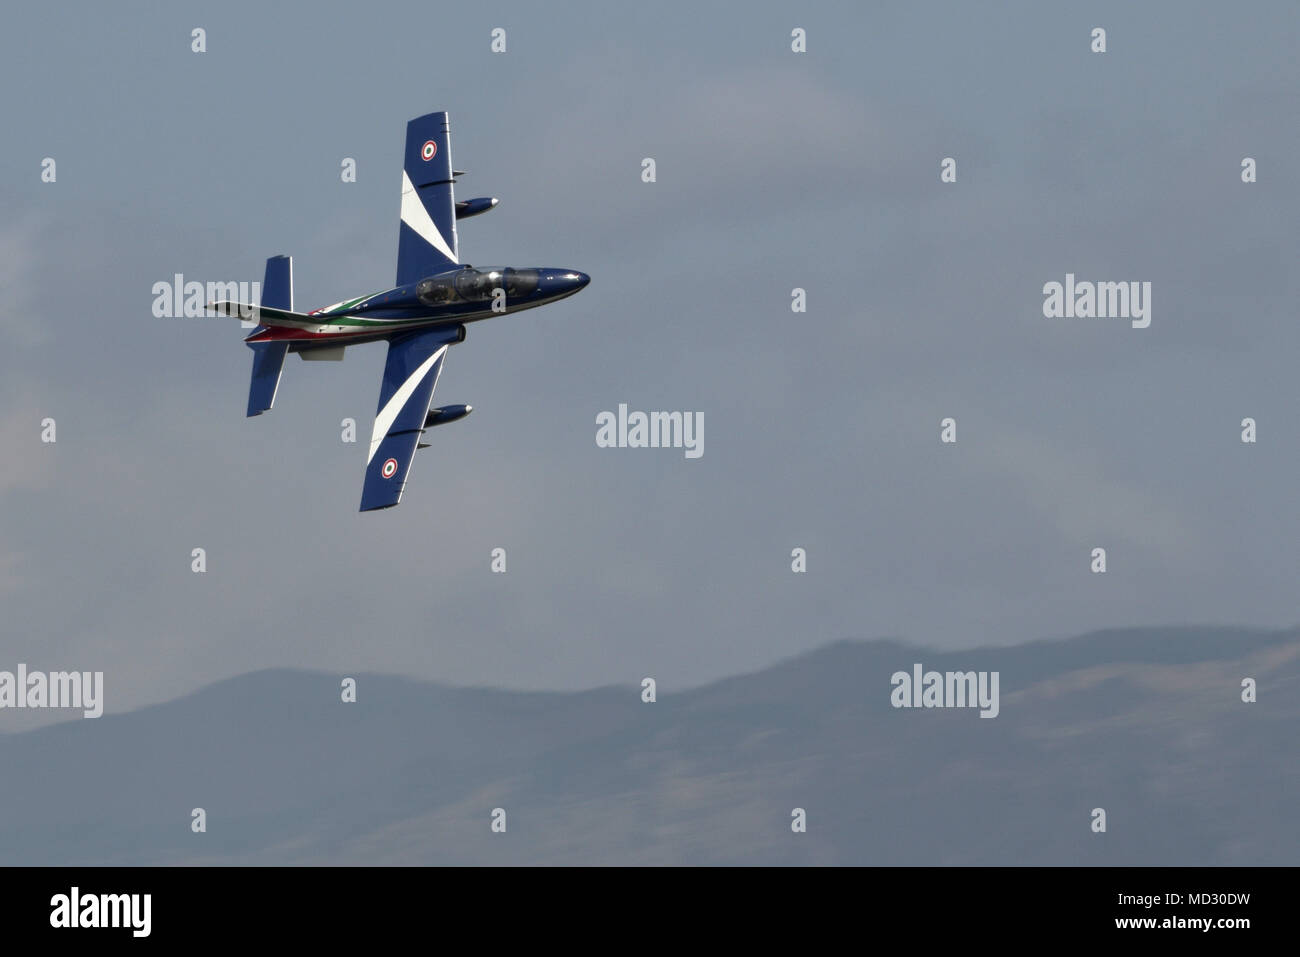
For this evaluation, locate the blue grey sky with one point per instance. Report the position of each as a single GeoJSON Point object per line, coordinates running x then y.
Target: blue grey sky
{"type": "Point", "coordinates": [775, 170]}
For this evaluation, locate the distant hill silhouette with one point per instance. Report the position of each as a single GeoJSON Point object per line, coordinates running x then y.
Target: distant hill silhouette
{"type": "Point", "coordinates": [1145, 723]}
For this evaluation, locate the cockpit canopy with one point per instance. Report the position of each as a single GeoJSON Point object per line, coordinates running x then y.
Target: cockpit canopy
{"type": "Point", "coordinates": [476, 285]}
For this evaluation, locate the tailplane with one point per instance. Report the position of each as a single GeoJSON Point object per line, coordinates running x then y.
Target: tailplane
{"type": "Point", "coordinates": [268, 357]}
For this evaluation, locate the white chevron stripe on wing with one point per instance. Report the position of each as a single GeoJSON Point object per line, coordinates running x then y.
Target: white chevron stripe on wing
{"type": "Point", "coordinates": [417, 217]}
{"type": "Point", "coordinates": [394, 405]}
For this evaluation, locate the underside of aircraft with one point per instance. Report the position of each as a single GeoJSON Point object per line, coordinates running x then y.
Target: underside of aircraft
{"type": "Point", "coordinates": [421, 317]}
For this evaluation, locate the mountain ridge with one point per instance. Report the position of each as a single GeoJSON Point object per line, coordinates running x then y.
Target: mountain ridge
{"type": "Point", "coordinates": [1147, 723]}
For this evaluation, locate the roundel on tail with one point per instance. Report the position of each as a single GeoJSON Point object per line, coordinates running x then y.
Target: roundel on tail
{"type": "Point", "coordinates": [429, 150]}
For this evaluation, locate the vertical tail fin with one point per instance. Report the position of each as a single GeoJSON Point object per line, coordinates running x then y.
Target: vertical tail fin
{"type": "Point", "coordinates": [268, 357]}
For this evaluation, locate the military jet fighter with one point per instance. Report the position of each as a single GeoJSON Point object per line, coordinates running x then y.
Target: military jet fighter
{"type": "Point", "coordinates": [421, 317]}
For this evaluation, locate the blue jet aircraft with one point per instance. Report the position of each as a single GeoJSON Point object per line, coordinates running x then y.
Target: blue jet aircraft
{"type": "Point", "coordinates": [421, 317]}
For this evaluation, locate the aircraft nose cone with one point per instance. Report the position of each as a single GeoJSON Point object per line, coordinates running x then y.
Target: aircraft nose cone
{"type": "Point", "coordinates": [562, 282]}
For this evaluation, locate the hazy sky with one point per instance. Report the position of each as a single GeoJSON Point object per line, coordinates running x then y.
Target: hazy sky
{"type": "Point", "coordinates": [821, 430]}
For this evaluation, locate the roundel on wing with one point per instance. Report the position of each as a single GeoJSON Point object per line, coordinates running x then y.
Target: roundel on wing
{"type": "Point", "coordinates": [429, 150]}
{"type": "Point", "coordinates": [389, 469]}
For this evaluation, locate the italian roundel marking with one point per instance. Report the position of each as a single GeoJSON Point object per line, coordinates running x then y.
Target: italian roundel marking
{"type": "Point", "coordinates": [389, 469]}
{"type": "Point", "coordinates": [429, 150]}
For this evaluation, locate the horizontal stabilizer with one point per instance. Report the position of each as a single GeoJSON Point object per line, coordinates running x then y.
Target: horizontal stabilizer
{"type": "Point", "coordinates": [277, 285]}
{"type": "Point", "coordinates": [268, 357]}
{"type": "Point", "coordinates": [268, 363]}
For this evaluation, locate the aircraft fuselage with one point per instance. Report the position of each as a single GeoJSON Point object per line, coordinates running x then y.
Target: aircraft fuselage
{"type": "Point", "coordinates": [456, 296]}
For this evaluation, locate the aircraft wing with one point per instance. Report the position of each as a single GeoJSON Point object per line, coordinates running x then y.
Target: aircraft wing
{"type": "Point", "coordinates": [410, 374]}
{"type": "Point", "coordinates": [427, 243]}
